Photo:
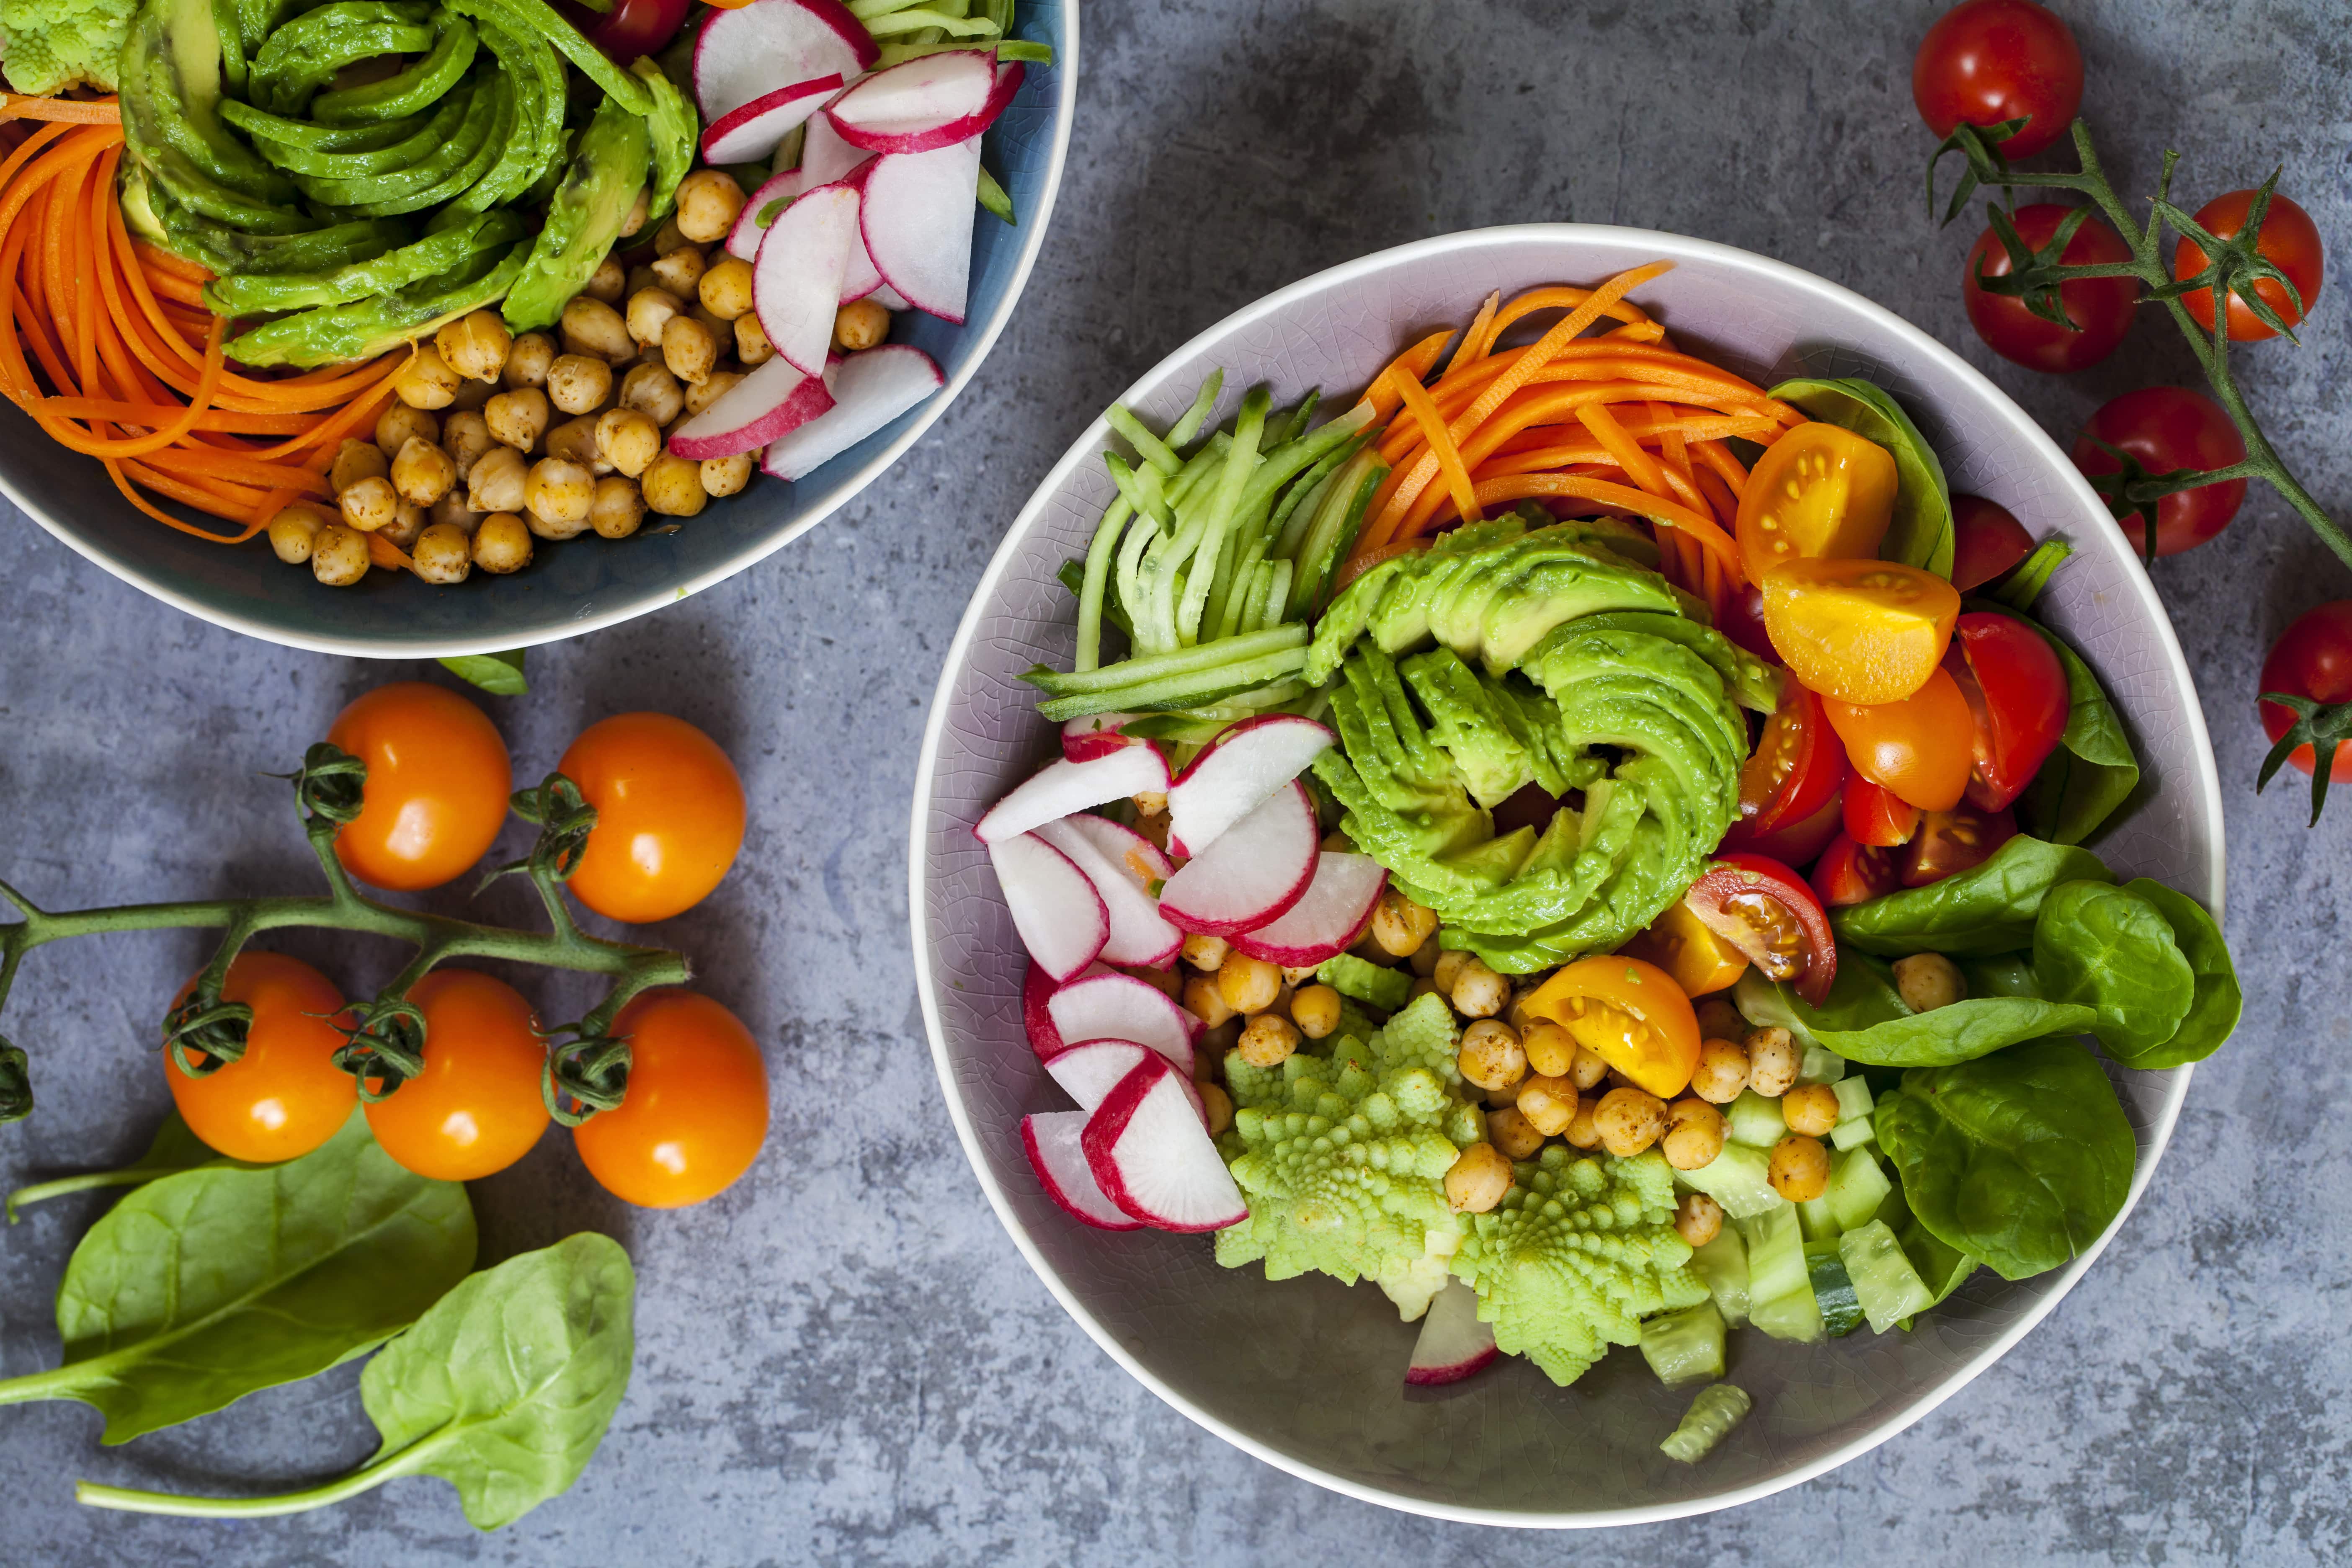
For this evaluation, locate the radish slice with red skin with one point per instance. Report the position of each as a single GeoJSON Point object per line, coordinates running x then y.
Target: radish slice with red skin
{"type": "Point", "coordinates": [743, 239]}
{"type": "Point", "coordinates": [1062, 787]}
{"type": "Point", "coordinates": [1253, 874]}
{"type": "Point", "coordinates": [873, 388]}
{"type": "Point", "coordinates": [1327, 918]}
{"type": "Point", "coordinates": [1090, 1069]}
{"type": "Point", "coordinates": [917, 220]}
{"type": "Point", "coordinates": [889, 298]}
{"type": "Point", "coordinates": [922, 104]}
{"type": "Point", "coordinates": [1453, 1344]}
{"type": "Point", "coordinates": [1244, 764]}
{"type": "Point", "coordinates": [771, 403]}
{"type": "Point", "coordinates": [796, 279]}
{"type": "Point", "coordinates": [751, 130]}
{"type": "Point", "coordinates": [1152, 1156]}
{"type": "Point", "coordinates": [826, 157]}
{"type": "Point", "coordinates": [1094, 734]}
{"type": "Point", "coordinates": [1038, 990]}
{"type": "Point", "coordinates": [747, 52]}
{"type": "Point", "coordinates": [1129, 851]}
{"type": "Point", "coordinates": [858, 276]}
{"type": "Point", "coordinates": [1114, 1006]}
{"type": "Point", "coordinates": [1055, 1140]}
{"type": "Point", "coordinates": [1059, 915]}
{"type": "Point", "coordinates": [1139, 934]}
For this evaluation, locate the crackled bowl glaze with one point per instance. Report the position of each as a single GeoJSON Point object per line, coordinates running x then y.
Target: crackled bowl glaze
{"type": "Point", "coordinates": [589, 583]}
{"type": "Point", "coordinates": [1308, 1375]}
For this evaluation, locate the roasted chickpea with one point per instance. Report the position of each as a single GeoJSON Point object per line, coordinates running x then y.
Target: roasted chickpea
{"type": "Point", "coordinates": [574, 441]}
{"type": "Point", "coordinates": [1718, 1019]}
{"type": "Point", "coordinates": [725, 289]}
{"type": "Point", "coordinates": [1630, 1121]}
{"type": "Point", "coordinates": [618, 507]}
{"type": "Point", "coordinates": [1513, 1135]}
{"type": "Point", "coordinates": [1218, 1106]}
{"type": "Point", "coordinates": [641, 277]}
{"type": "Point", "coordinates": [1722, 1071]}
{"type": "Point", "coordinates": [1478, 1179]}
{"type": "Point", "coordinates": [1478, 991]}
{"type": "Point", "coordinates": [369, 505]}
{"type": "Point", "coordinates": [1800, 1171]}
{"type": "Point", "coordinates": [1926, 980]}
{"type": "Point", "coordinates": [650, 311]}
{"type": "Point", "coordinates": [1698, 1219]}
{"type": "Point", "coordinates": [442, 554]}
{"type": "Point", "coordinates": [576, 383]}
{"type": "Point", "coordinates": [1315, 1010]}
{"type": "Point", "coordinates": [1584, 1129]}
{"type": "Point", "coordinates": [1249, 984]}
{"type": "Point", "coordinates": [673, 486]}
{"type": "Point", "coordinates": [556, 497]}
{"type": "Point", "coordinates": [1205, 1002]}
{"type": "Point", "coordinates": [1203, 951]}
{"type": "Point", "coordinates": [707, 203]}
{"type": "Point", "coordinates": [474, 345]}
{"type": "Point", "coordinates": [640, 210]}
{"type": "Point", "coordinates": [669, 236]}
{"type": "Point", "coordinates": [689, 349]}
{"type": "Point", "coordinates": [465, 437]}
{"type": "Point", "coordinates": [1694, 1134]}
{"type": "Point", "coordinates": [338, 556]}
{"type": "Point", "coordinates": [680, 270]}
{"type": "Point", "coordinates": [427, 383]}
{"type": "Point", "coordinates": [651, 390]}
{"type": "Point", "coordinates": [717, 385]}
{"type": "Point", "coordinates": [502, 544]}
{"type": "Point", "coordinates": [606, 282]}
{"type": "Point", "coordinates": [1588, 1069]}
{"type": "Point", "coordinates": [628, 440]}
{"type": "Point", "coordinates": [407, 525]}
{"type": "Point", "coordinates": [858, 325]}
{"type": "Point", "coordinates": [527, 363]}
{"type": "Point", "coordinates": [399, 422]}
{"type": "Point", "coordinates": [752, 345]}
{"type": "Point", "coordinates": [423, 472]}
{"type": "Point", "coordinates": [471, 395]}
{"type": "Point", "coordinates": [1424, 957]}
{"type": "Point", "coordinates": [1447, 970]}
{"type": "Point", "coordinates": [294, 531]}
{"type": "Point", "coordinates": [518, 418]}
{"type": "Point", "coordinates": [1400, 925]}
{"type": "Point", "coordinates": [354, 461]}
{"type": "Point", "coordinates": [726, 476]}
{"type": "Point", "coordinates": [1772, 1062]}
{"type": "Point", "coordinates": [1551, 1050]}
{"type": "Point", "coordinates": [1548, 1103]}
{"type": "Point", "coordinates": [497, 483]}
{"type": "Point", "coordinates": [1267, 1040]}
{"type": "Point", "coordinates": [590, 326]}
{"type": "Point", "coordinates": [1490, 1055]}
{"type": "Point", "coordinates": [452, 511]}
{"type": "Point", "coordinates": [1811, 1109]}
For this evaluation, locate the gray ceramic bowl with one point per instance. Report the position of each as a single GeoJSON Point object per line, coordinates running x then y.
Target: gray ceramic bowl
{"type": "Point", "coordinates": [1307, 1374]}
{"type": "Point", "coordinates": [589, 583]}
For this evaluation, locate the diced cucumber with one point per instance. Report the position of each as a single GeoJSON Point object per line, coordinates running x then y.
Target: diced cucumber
{"type": "Point", "coordinates": [1722, 1265]}
{"type": "Point", "coordinates": [1687, 1347]}
{"type": "Point", "coordinates": [1819, 1064]}
{"type": "Point", "coordinates": [1713, 1413]}
{"type": "Point", "coordinates": [1736, 1178]}
{"type": "Point", "coordinates": [1818, 1219]}
{"type": "Point", "coordinates": [1884, 1282]}
{"type": "Point", "coordinates": [1367, 983]}
{"type": "Point", "coordinates": [1754, 1121]}
{"type": "Point", "coordinates": [1779, 1289]}
{"type": "Point", "coordinates": [1857, 1186]}
{"type": "Point", "coordinates": [1853, 1098]}
{"type": "Point", "coordinates": [1852, 1134]}
{"type": "Point", "coordinates": [1841, 1309]}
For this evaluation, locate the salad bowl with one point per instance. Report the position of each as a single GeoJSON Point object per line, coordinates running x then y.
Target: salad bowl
{"type": "Point", "coordinates": [1307, 1374]}
{"type": "Point", "coordinates": [568, 591]}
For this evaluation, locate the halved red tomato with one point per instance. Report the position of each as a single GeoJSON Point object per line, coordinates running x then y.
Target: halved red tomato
{"type": "Point", "coordinates": [1795, 843]}
{"type": "Point", "coordinates": [1876, 816]}
{"type": "Point", "coordinates": [1986, 542]}
{"type": "Point", "coordinates": [1767, 911]}
{"type": "Point", "coordinates": [1852, 873]}
{"type": "Point", "coordinates": [2016, 689]}
{"type": "Point", "coordinates": [1952, 842]}
{"type": "Point", "coordinates": [1796, 767]}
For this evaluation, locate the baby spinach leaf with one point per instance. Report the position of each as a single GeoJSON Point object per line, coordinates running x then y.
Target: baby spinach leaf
{"type": "Point", "coordinates": [174, 1148]}
{"type": "Point", "coordinates": [2021, 1158]}
{"type": "Point", "coordinates": [1987, 909]}
{"type": "Point", "coordinates": [1862, 994]}
{"type": "Point", "coordinates": [2003, 974]}
{"type": "Point", "coordinates": [1943, 1269]}
{"type": "Point", "coordinates": [1960, 1032]}
{"type": "Point", "coordinates": [1920, 534]}
{"type": "Point", "coordinates": [204, 1286]}
{"type": "Point", "coordinates": [2213, 1013]}
{"type": "Point", "coordinates": [2112, 950]}
{"type": "Point", "coordinates": [500, 674]}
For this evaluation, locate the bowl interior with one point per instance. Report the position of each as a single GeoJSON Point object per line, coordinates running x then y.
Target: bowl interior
{"type": "Point", "coordinates": [586, 584]}
{"type": "Point", "coordinates": [1307, 1373]}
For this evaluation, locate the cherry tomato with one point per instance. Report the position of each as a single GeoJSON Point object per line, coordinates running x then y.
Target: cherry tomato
{"type": "Point", "coordinates": [1628, 1013]}
{"type": "Point", "coordinates": [1743, 622]}
{"type": "Point", "coordinates": [476, 1108]}
{"type": "Point", "coordinates": [1995, 60]}
{"type": "Point", "coordinates": [2314, 659]}
{"type": "Point", "coordinates": [1986, 542]}
{"type": "Point", "coordinates": [1793, 843]}
{"type": "Point", "coordinates": [1876, 817]}
{"type": "Point", "coordinates": [2017, 689]}
{"type": "Point", "coordinates": [1859, 631]}
{"type": "Point", "coordinates": [1796, 766]}
{"type": "Point", "coordinates": [1921, 748]}
{"type": "Point", "coordinates": [2290, 242]}
{"type": "Point", "coordinates": [285, 1096]}
{"type": "Point", "coordinates": [1679, 942]}
{"type": "Point", "coordinates": [697, 1108]}
{"type": "Point", "coordinates": [1951, 842]}
{"type": "Point", "coordinates": [630, 28]}
{"type": "Point", "coordinates": [669, 816]}
{"type": "Point", "coordinates": [1765, 910]}
{"type": "Point", "coordinates": [1852, 873]}
{"type": "Point", "coordinates": [1818, 491]}
{"type": "Point", "coordinates": [2099, 308]}
{"type": "Point", "coordinates": [2168, 427]}
{"type": "Point", "coordinates": [437, 781]}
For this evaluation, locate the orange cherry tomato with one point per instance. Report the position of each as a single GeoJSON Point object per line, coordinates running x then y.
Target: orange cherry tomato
{"type": "Point", "coordinates": [1921, 748]}
{"type": "Point", "coordinates": [285, 1096]}
{"type": "Point", "coordinates": [697, 1108]}
{"type": "Point", "coordinates": [1818, 490]}
{"type": "Point", "coordinates": [1630, 1012]}
{"type": "Point", "coordinates": [476, 1108]}
{"type": "Point", "coordinates": [669, 816]}
{"type": "Point", "coordinates": [1859, 631]}
{"type": "Point", "coordinates": [437, 781]}
{"type": "Point", "coordinates": [1679, 942]}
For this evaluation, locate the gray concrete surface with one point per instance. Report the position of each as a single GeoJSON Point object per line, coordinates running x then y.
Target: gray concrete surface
{"type": "Point", "coordinates": [843, 1360]}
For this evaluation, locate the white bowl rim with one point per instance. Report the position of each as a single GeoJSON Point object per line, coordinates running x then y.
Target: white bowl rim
{"type": "Point", "coordinates": [825, 505]}
{"type": "Point", "coordinates": [1677, 248]}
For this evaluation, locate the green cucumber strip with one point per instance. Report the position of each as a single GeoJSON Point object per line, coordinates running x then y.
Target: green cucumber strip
{"type": "Point", "coordinates": [1754, 1121]}
{"type": "Point", "coordinates": [1204, 399]}
{"type": "Point", "coordinates": [1685, 1347]}
{"type": "Point", "coordinates": [1736, 1178]}
{"type": "Point", "coordinates": [995, 199]}
{"type": "Point", "coordinates": [1189, 691]}
{"type": "Point", "coordinates": [1841, 1309]}
{"type": "Point", "coordinates": [1881, 1277]}
{"type": "Point", "coordinates": [1131, 672]}
{"type": "Point", "coordinates": [1722, 1267]}
{"type": "Point", "coordinates": [1098, 573]}
{"type": "Point", "coordinates": [1148, 447]}
{"type": "Point", "coordinates": [1365, 981]}
{"type": "Point", "coordinates": [1223, 508]}
{"type": "Point", "coordinates": [1779, 1286]}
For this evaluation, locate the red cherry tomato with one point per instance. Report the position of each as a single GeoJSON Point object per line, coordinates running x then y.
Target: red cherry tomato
{"type": "Point", "coordinates": [1796, 767]}
{"type": "Point", "coordinates": [2017, 689]}
{"type": "Point", "coordinates": [2168, 427]}
{"type": "Point", "coordinates": [1951, 842]}
{"type": "Point", "coordinates": [1743, 623]}
{"type": "Point", "coordinates": [1986, 542]}
{"type": "Point", "coordinates": [476, 1109]}
{"type": "Point", "coordinates": [1793, 843]}
{"type": "Point", "coordinates": [1765, 910]}
{"type": "Point", "coordinates": [2290, 242]}
{"type": "Point", "coordinates": [1852, 873]}
{"type": "Point", "coordinates": [1994, 60]}
{"type": "Point", "coordinates": [632, 28]}
{"type": "Point", "coordinates": [2313, 659]}
{"type": "Point", "coordinates": [1875, 817]}
{"type": "Point", "coordinates": [697, 1108]}
{"type": "Point", "coordinates": [285, 1096]}
{"type": "Point", "coordinates": [1919, 748]}
{"type": "Point", "coordinates": [2099, 308]}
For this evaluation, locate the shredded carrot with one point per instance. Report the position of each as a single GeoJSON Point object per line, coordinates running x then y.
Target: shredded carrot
{"type": "Point", "coordinates": [1413, 363]}
{"type": "Point", "coordinates": [1476, 338]}
{"type": "Point", "coordinates": [60, 110]}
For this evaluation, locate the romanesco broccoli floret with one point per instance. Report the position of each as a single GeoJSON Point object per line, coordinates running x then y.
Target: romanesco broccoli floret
{"type": "Point", "coordinates": [52, 45]}
{"type": "Point", "coordinates": [1577, 1254]}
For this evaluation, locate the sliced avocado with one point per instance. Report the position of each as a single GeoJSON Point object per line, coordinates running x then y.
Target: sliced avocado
{"type": "Point", "coordinates": [537, 16]}
{"type": "Point", "coordinates": [415, 87]}
{"type": "Point", "coordinates": [299, 58]}
{"type": "Point", "coordinates": [387, 154]}
{"type": "Point", "coordinates": [584, 216]}
{"type": "Point", "coordinates": [170, 90]}
{"type": "Point", "coordinates": [261, 293]}
{"type": "Point", "coordinates": [1467, 720]}
{"type": "Point", "coordinates": [469, 114]}
{"type": "Point", "coordinates": [535, 150]}
{"type": "Point", "coordinates": [674, 128]}
{"type": "Point", "coordinates": [335, 333]}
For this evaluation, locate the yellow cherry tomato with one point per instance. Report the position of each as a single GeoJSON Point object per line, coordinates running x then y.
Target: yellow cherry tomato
{"type": "Point", "coordinates": [1865, 632]}
{"type": "Point", "coordinates": [669, 816]}
{"type": "Point", "coordinates": [476, 1109]}
{"type": "Point", "coordinates": [285, 1096]}
{"type": "Point", "coordinates": [1818, 490]}
{"type": "Point", "coordinates": [1920, 750]}
{"type": "Point", "coordinates": [1679, 942]}
{"type": "Point", "coordinates": [697, 1108]}
{"type": "Point", "coordinates": [1628, 1013]}
{"type": "Point", "coordinates": [437, 779]}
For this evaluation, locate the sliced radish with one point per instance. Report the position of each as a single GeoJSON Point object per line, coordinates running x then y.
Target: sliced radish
{"type": "Point", "coordinates": [1327, 918]}
{"type": "Point", "coordinates": [889, 298]}
{"type": "Point", "coordinates": [1090, 1069]}
{"type": "Point", "coordinates": [1151, 1153]}
{"type": "Point", "coordinates": [1241, 767]}
{"type": "Point", "coordinates": [771, 402]}
{"type": "Point", "coordinates": [918, 219]}
{"type": "Point", "coordinates": [1115, 1006]}
{"type": "Point", "coordinates": [925, 103]}
{"type": "Point", "coordinates": [873, 388]}
{"type": "Point", "coordinates": [859, 276]}
{"type": "Point", "coordinates": [753, 49]}
{"type": "Point", "coordinates": [743, 239]}
{"type": "Point", "coordinates": [827, 157]}
{"type": "Point", "coordinates": [1140, 934]}
{"type": "Point", "coordinates": [751, 130]}
{"type": "Point", "coordinates": [1095, 735]}
{"type": "Point", "coordinates": [1134, 854]}
{"type": "Point", "coordinates": [1453, 1343]}
{"type": "Point", "coordinates": [1061, 787]}
{"type": "Point", "coordinates": [1057, 911]}
{"type": "Point", "coordinates": [796, 279]}
{"type": "Point", "coordinates": [1057, 1153]}
{"type": "Point", "coordinates": [1253, 874]}
{"type": "Point", "coordinates": [1037, 989]}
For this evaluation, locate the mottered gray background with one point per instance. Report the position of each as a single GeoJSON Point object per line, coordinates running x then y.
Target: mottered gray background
{"type": "Point", "coordinates": [842, 1359]}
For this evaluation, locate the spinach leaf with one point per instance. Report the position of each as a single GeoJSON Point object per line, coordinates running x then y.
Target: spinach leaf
{"type": "Point", "coordinates": [1986, 909]}
{"type": "Point", "coordinates": [2113, 951]}
{"type": "Point", "coordinates": [1920, 535]}
{"type": "Point", "coordinates": [2213, 1013]}
{"type": "Point", "coordinates": [2021, 1158]}
{"type": "Point", "coordinates": [1960, 1032]}
{"type": "Point", "coordinates": [2003, 974]}
{"type": "Point", "coordinates": [202, 1287]}
{"type": "Point", "coordinates": [500, 674]}
{"type": "Point", "coordinates": [1863, 995]}
{"type": "Point", "coordinates": [1943, 1269]}
{"type": "Point", "coordinates": [174, 1148]}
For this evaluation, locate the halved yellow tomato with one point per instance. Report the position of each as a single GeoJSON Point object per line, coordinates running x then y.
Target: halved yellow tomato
{"type": "Point", "coordinates": [1818, 490]}
{"type": "Point", "coordinates": [1865, 632]}
{"type": "Point", "coordinates": [1697, 960]}
{"type": "Point", "coordinates": [1628, 1013]}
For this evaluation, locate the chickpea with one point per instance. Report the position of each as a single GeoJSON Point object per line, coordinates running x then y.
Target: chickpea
{"type": "Point", "coordinates": [752, 345]}
{"type": "Point", "coordinates": [339, 557]}
{"type": "Point", "coordinates": [640, 277]}
{"type": "Point", "coordinates": [1218, 1105]}
{"type": "Point", "coordinates": [1448, 969]}
{"type": "Point", "coordinates": [407, 525]}
{"type": "Point", "coordinates": [1630, 1121]}
{"type": "Point", "coordinates": [1548, 1103]}
{"type": "Point", "coordinates": [354, 461]}
{"type": "Point", "coordinates": [502, 544]}
{"type": "Point", "coordinates": [369, 504]}
{"type": "Point", "coordinates": [726, 476]}
{"type": "Point", "coordinates": [1400, 925]}
{"type": "Point", "coordinates": [860, 324]}
{"type": "Point", "coordinates": [1589, 1068]}
{"type": "Point", "coordinates": [1153, 827]}
{"type": "Point", "coordinates": [1811, 1109]}
{"type": "Point", "coordinates": [574, 441]}
{"type": "Point", "coordinates": [427, 383]}
{"type": "Point", "coordinates": [528, 360]}
{"type": "Point", "coordinates": [518, 418]}
{"type": "Point", "coordinates": [606, 282]}
{"type": "Point", "coordinates": [399, 422]}
{"type": "Point", "coordinates": [1205, 953]}
{"type": "Point", "coordinates": [590, 326]}
{"type": "Point", "coordinates": [618, 507]}
{"type": "Point", "coordinates": [497, 482]}
{"type": "Point", "coordinates": [1211, 1044]}
{"type": "Point", "coordinates": [1694, 1134]}
{"type": "Point", "coordinates": [577, 383]}
{"type": "Point", "coordinates": [707, 203]}
{"type": "Point", "coordinates": [1490, 1055]}
{"type": "Point", "coordinates": [725, 289]}
{"type": "Point", "coordinates": [628, 440]}
{"type": "Point", "coordinates": [1926, 980]}
{"type": "Point", "coordinates": [294, 531]}
{"type": "Point", "coordinates": [1551, 1050]}
{"type": "Point", "coordinates": [1513, 1133]}
{"type": "Point", "coordinates": [640, 210]}
{"type": "Point", "coordinates": [471, 395]}
{"type": "Point", "coordinates": [443, 554]}
{"type": "Point", "coordinates": [452, 511]}
{"type": "Point", "coordinates": [1478, 991]}
{"type": "Point", "coordinates": [1249, 984]}
{"type": "Point", "coordinates": [651, 390]}
{"type": "Point", "coordinates": [717, 386]}
{"type": "Point", "coordinates": [680, 270]}
{"type": "Point", "coordinates": [556, 497]}
{"type": "Point", "coordinates": [1424, 957]}
{"type": "Point", "coordinates": [423, 472]}
{"type": "Point", "coordinates": [1584, 1128]}
{"type": "Point", "coordinates": [689, 349]}
{"type": "Point", "coordinates": [669, 236]}
{"type": "Point", "coordinates": [1698, 1219]}
{"type": "Point", "coordinates": [1773, 1060]}
{"type": "Point", "coordinates": [465, 437]}
{"type": "Point", "coordinates": [1267, 1040]}
{"type": "Point", "coordinates": [1722, 1071]}
{"type": "Point", "coordinates": [650, 311]}
{"type": "Point", "coordinates": [1478, 1179]}
{"type": "Point", "coordinates": [1800, 1171]}
{"type": "Point", "coordinates": [1205, 1002]}
{"type": "Point", "coordinates": [474, 345]}
{"type": "Point", "coordinates": [1718, 1019]}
